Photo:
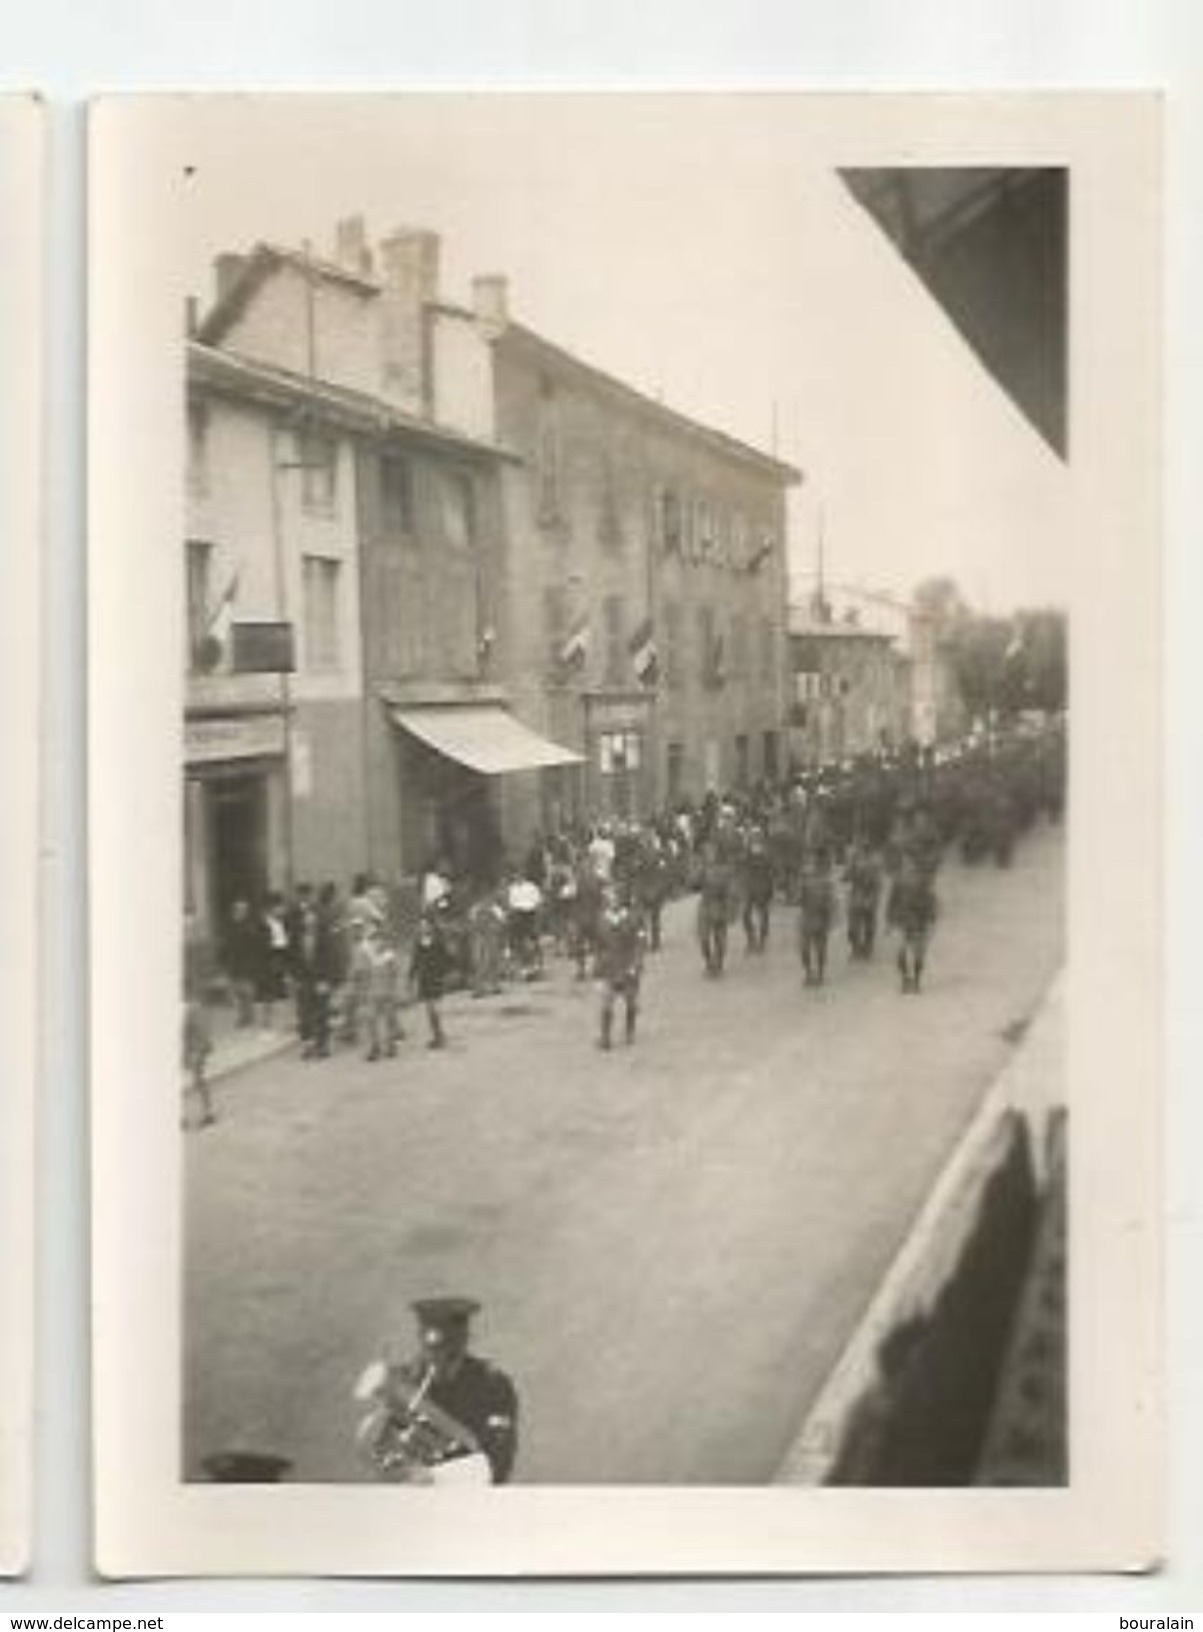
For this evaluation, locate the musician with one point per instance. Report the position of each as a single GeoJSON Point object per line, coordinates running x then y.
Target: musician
{"type": "Point", "coordinates": [462, 1386]}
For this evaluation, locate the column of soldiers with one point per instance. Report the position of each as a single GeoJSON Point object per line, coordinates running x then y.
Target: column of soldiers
{"type": "Point", "coordinates": [874, 829]}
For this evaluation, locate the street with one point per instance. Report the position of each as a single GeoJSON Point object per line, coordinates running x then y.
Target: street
{"type": "Point", "coordinates": [672, 1242]}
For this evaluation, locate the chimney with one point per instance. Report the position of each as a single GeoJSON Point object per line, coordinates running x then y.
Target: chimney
{"type": "Point", "coordinates": [351, 249]}
{"type": "Point", "coordinates": [491, 304]}
{"type": "Point", "coordinates": [227, 269]}
{"type": "Point", "coordinates": [409, 271]}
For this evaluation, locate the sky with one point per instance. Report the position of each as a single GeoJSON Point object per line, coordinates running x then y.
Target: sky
{"type": "Point", "coordinates": [704, 249]}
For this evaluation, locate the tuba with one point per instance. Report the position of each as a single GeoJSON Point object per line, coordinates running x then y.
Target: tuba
{"type": "Point", "coordinates": [406, 1438]}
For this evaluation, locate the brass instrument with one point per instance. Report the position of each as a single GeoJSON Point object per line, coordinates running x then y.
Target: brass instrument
{"type": "Point", "coordinates": [409, 1439]}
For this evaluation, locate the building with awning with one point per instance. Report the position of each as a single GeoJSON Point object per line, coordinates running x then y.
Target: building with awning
{"type": "Point", "coordinates": [519, 591]}
{"type": "Point", "coordinates": [483, 737]}
{"type": "Point", "coordinates": [463, 765]}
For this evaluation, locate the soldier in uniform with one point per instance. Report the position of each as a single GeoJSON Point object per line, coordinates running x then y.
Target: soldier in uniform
{"type": "Point", "coordinates": [815, 913]}
{"type": "Point", "coordinates": [912, 912]}
{"type": "Point", "coordinates": [477, 1396]}
{"type": "Point", "coordinates": [863, 878]}
{"type": "Point", "coordinates": [758, 890]}
{"type": "Point", "coordinates": [618, 963]}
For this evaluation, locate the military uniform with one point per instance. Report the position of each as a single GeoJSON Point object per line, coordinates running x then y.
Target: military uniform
{"type": "Point", "coordinates": [619, 967]}
{"type": "Point", "coordinates": [468, 1388]}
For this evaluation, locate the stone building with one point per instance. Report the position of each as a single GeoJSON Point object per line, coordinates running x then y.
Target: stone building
{"type": "Point", "coordinates": [517, 590]}
{"type": "Point", "coordinates": [646, 554]}
{"type": "Point", "coordinates": [326, 510]}
{"type": "Point", "coordinates": [852, 687]}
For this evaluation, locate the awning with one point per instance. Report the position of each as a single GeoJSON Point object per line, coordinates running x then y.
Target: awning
{"type": "Point", "coordinates": [483, 736]}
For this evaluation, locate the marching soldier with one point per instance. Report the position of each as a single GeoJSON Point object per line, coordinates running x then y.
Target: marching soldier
{"type": "Point", "coordinates": [758, 891]}
{"type": "Point", "coordinates": [815, 914]}
{"type": "Point", "coordinates": [618, 964]}
{"type": "Point", "coordinates": [912, 912]}
{"type": "Point", "coordinates": [863, 878]}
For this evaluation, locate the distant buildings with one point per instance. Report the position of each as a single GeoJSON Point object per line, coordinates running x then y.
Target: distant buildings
{"type": "Point", "coordinates": [857, 689]}
{"type": "Point", "coordinates": [447, 583]}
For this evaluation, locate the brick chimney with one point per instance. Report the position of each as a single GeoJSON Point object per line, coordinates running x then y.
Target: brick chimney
{"type": "Point", "coordinates": [351, 248]}
{"type": "Point", "coordinates": [491, 304]}
{"type": "Point", "coordinates": [227, 269]}
{"type": "Point", "coordinates": [409, 271]}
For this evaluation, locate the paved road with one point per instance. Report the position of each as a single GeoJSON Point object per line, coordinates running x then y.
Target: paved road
{"type": "Point", "coordinates": [672, 1242]}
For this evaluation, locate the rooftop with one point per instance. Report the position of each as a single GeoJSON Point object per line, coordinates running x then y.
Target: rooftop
{"type": "Point", "coordinates": [275, 387]}
{"type": "Point", "coordinates": [718, 441]}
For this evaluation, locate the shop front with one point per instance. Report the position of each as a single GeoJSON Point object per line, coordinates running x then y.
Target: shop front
{"type": "Point", "coordinates": [457, 763]}
{"type": "Point", "coordinates": [233, 815]}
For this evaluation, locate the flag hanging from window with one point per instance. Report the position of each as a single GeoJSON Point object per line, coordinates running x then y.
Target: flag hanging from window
{"type": "Point", "coordinates": [216, 640]}
{"type": "Point", "coordinates": [575, 648]}
{"type": "Point", "coordinates": [761, 550]}
{"type": "Point", "coordinates": [645, 659]}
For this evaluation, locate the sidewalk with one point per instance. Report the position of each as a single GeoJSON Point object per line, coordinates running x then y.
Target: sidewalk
{"type": "Point", "coordinates": [236, 1048]}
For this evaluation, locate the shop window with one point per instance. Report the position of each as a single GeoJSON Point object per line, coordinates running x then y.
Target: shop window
{"type": "Point", "coordinates": [321, 579]}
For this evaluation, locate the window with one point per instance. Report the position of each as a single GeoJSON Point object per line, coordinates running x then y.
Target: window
{"type": "Point", "coordinates": [320, 582]}
{"type": "Point", "coordinates": [397, 495]}
{"type": "Point", "coordinates": [703, 528]}
{"type": "Point", "coordinates": [612, 613]}
{"type": "Point", "coordinates": [770, 756]}
{"type": "Point", "coordinates": [670, 519]}
{"type": "Point", "coordinates": [741, 761]}
{"type": "Point", "coordinates": [738, 548]}
{"type": "Point", "coordinates": [547, 456]}
{"type": "Point", "coordinates": [676, 770]}
{"type": "Point", "coordinates": [200, 588]}
{"type": "Point", "coordinates": [609, 520]}
{"type": "Point", "coordinates": [618, 752]}
{"type": "Point", "coordinates": [739, 646]}
{"type": "Point", "coordinates": [554, 630]}
{"type": "Point", "coordinates": [459, 510]}
{"type": "Point", "coordinates": [705, 643]}
{"type": "Point", "coordinates": [673, 666]}
{"type": "Point", "coordinates": [318, 458]}
{"type": "Point", "coordinates": [198, 447]}
{"type": "Point", "coordinates": [768, 652]}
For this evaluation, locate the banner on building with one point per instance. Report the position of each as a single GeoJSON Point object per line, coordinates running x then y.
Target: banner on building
{"type": "Point", "coordinates": [575, 649]}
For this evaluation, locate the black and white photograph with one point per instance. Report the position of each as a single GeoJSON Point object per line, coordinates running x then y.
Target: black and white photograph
{"type": "Point", "coordinates": [21, 210]}
{"type": "Point", "coordinates": [626, 697]}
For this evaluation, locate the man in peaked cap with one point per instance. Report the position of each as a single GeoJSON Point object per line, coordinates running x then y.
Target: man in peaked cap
{"type": "Point", "coordinates": [472, 1390]}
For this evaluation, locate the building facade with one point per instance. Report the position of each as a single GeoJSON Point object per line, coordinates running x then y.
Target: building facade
{"type": "Point", "coordinates": [852, 688]}
{"type": "Point", "coordinates": [516, 591]}
{"type": "Point", "coordinates": [647, 555]}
